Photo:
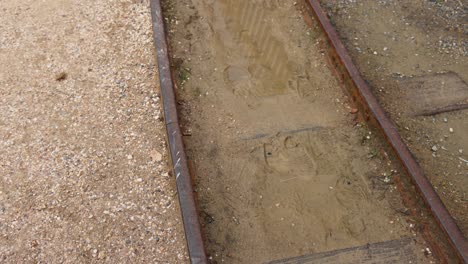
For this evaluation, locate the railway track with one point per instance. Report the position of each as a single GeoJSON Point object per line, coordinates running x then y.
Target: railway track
{"type": "Point", "coordinates": [287, 147]}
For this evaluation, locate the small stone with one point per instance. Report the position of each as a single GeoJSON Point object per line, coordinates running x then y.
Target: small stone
{"type": "Point", "coordinates": [61, 76]}
{"type": "Point", "coordinates": [34, 243]}
{"type": "Point", "coordinates": [375, 53]}
{"type": "Point", "coordinates": [129, 157]}
{"type": "Point", "coordinates": [427, 251]}
{"type": "Point", "coordinates": [451, 130]}
{"type": "Point", "coordinates": [155, 155]}
{"type": "Point", "coordinates": [385, 49]}
{"type": "Point", "coordinates": [435, 148]}
{"type": "Point", "coordinates": [445, 120]}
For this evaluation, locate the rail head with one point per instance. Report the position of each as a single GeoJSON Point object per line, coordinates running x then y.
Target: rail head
{"type": "Point", "coordinates": [193, 233]}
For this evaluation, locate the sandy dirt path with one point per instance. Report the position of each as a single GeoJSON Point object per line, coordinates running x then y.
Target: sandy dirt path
{"type": "Point", "coordinates": [282, 168]}
{"type": "Point", "coordinates": [83, 173]}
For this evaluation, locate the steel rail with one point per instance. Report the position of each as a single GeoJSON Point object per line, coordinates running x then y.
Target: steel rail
{"type": "Point", "coordinates": [193, 234]}
{"type": "Point", "coordinates": [363, 95]}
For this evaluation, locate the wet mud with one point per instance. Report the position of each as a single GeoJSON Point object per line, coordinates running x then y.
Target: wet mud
{"type": "Point", "coordinates": [282, 167]}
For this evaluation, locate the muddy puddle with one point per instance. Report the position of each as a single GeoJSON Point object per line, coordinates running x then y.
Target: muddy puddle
{"type": "Point", "coordinates": [281, 166]}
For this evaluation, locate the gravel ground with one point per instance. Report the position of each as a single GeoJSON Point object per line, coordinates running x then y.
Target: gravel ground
{"type": "Point", "coordinates": [84, 176]}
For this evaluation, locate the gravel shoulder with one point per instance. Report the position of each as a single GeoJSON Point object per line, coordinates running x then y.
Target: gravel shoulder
{"type": "Point", "coordinates": [84, 173]}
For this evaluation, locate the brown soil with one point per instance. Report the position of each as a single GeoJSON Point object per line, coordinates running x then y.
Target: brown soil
{"type": "Point", "coordinates": [397, 44]}
{"type": "Point", "coordinates": [282, 167]}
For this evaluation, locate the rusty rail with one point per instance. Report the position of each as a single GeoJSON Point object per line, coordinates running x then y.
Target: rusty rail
{"type": "Point", "coordinates": [363, 96]}
{"type": "Point", "coordinates": [193, 234]}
